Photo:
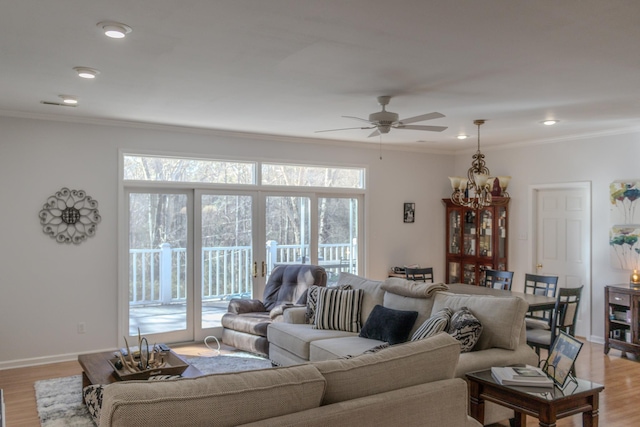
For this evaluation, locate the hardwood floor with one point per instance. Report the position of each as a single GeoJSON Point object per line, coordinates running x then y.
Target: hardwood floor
{"type": "Point", "coordinates": [620, 376]}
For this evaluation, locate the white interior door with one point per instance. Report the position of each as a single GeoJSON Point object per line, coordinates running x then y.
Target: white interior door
{"type": "Point", "coordinates": [563, 242]}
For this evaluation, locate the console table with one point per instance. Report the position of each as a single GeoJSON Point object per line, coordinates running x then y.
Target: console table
{"type": "Point", "coordinates": [622, 318]}
{"type": "Point", "coordinates": [548, 405]}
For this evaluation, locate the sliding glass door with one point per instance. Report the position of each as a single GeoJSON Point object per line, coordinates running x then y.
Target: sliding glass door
{"type": "Point", "coordinates": [160, 264]}
{"type": "Point", "coordinates": [227, 263]}
{"type": "Point", "coordinates": [197, 233]}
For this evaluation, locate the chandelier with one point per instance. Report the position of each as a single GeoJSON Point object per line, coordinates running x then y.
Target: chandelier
{"type": "Point", "coordinates": [478, 189]}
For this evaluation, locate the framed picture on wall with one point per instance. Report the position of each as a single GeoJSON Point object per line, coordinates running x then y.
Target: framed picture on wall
{"type": "Point", "coordinates": [409, 212]}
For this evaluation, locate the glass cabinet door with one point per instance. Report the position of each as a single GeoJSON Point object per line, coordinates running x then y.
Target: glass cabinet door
{"type": "Point", "coordinates": [502, 231]}
{"type": "Point", "coordinates": [469, 274]}
{"type": "Point", "coordinates": [485, 233]}
{"type": "Point", "coordinates": [469, 233]}
{"type": "Point", "coordinates": [454, 272]}
{"type": "Point", "coordinates": [454, 232]}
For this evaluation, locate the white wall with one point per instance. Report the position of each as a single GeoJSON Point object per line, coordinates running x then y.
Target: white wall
{"type": "Point", "coordinates": [599, 161]}
{"type": "Point", "coordinates": [47, 288]}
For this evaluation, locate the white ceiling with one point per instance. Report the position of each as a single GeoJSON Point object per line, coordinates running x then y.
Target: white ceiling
{"type": "Point", "coordinates": [292, 67]}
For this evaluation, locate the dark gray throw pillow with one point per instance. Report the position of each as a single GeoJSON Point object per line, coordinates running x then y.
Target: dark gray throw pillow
{"type": "Point", "coordinates": [389, 325]}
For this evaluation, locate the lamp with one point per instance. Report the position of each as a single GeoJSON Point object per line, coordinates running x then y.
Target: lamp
{"type": "Point", "coordinates": [634, 279]}
{"type": "Point", "coordinates": [476, 190]}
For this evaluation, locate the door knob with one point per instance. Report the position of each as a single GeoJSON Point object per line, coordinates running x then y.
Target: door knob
{"type": "Point", "coordinates": [539, 266]}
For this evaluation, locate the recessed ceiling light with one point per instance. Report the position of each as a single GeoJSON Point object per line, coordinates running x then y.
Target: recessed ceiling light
{"type": "Point", "coordinates": [550, 122]}
{"type": "Point", "coordinates": [462, 136]}
{"type": "Point", "coordinates": [86, 72]}
{"type": "Point", "coordinates": [115, 30]}
{"type": "Point", "coordinates": [68, 99]}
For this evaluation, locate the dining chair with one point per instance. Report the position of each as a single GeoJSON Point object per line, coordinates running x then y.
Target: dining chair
{"type": "Point", "coordinates": [563, 318]}
{"type": "Point", "coordinates": [539, 285]}
{"type": "Point", "coordinates": [419, 274]}
{"type": "Point", "coordinates": [498, 279]}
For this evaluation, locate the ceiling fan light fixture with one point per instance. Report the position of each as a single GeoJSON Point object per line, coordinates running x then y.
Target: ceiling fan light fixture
{"type": "Point", "coordinates": [550, 122]}
{"type": "Point", "coordinates": [86, 72]}
{"type": "Point", "coordinates": [462, 136]}
{"type": "Point", "coordinates": [114, 30]}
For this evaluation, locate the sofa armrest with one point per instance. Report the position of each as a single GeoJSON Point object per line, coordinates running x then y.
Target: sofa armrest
{"type": "Point", "coordinates": [296, 314]}
{"type": "Point", "coordinates": [240, 306]}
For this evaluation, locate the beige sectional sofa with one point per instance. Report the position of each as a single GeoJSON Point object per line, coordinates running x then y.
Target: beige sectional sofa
{"type": "Point", "coordinates": [502, 341]}
{"type": "Point", "coordinates": [368, 390]}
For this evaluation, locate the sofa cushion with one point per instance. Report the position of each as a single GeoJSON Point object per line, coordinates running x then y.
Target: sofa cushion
{"type": "Point", "coordinates": [339, 309]}
{"type": "Point", "coordinates": [335, 348]}
{"type": "Point", "coordinates": [466, 328]}
{"type": "Point", "coordinates": [422, 305]}
{"type": "Point", "coordinates": [373, 292]}
{"type": "Point", "coordinates": [389, 325]}
{"type": "Point", "coordinates": [409, 288]}
{"type": "Point", "coordinates": [224, 399]}
{"type": "Point", "coordinates": [392, 368]}
{"type": "Point", "coordinates": [502, 318]}
{"type": "Point", "coordinates": [250, 323]}
{"type": "Point", "coordinates": [439, 322]}
{"type": "Point", "coordinates": [289, 283]}
{"type": "Point", "coordinates": [296, 338]}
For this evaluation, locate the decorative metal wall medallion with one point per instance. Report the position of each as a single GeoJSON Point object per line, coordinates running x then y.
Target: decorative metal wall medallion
{"type": "Point", "coordinates": [70, 216]}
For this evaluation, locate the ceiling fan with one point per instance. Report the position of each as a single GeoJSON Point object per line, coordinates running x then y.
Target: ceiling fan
{"type": "Point", "coordinates": [384, 120]}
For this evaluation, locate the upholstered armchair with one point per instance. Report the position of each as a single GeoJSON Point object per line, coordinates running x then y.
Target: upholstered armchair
{"type": "Point", "coordinates": [246, 321]}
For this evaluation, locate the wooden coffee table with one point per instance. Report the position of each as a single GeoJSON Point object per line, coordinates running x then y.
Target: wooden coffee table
{"type": "Point", "coordinates": [96, 368]}
{"type": "Point", "coordinates": [547, 405]}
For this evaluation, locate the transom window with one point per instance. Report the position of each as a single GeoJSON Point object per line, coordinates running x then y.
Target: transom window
{"type": "Point", "coordinates": [168, 169]}
{"type": "Point", "coordinates": [312, 176]}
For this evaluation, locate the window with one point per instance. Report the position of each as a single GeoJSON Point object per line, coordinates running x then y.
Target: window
{"type": "Point", "coordinates": [202, 231]}
{"type": "Point", "coordinates": [312, 176]}
{"type": "Point", "coordinates": [167, 169]}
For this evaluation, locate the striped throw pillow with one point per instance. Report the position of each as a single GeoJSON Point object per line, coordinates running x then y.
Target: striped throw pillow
{"type": "Point", "coordinates": [437, 323]}
{"type": "Point", "coordinates": [339, 309]}
{"type": "Point", "coordinates": [312, 301]}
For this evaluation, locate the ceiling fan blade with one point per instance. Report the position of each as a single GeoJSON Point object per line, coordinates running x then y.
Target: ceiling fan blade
{"type": "Point", "coordinates": [421, 118]}
{"type": "Point", "coordinates": [374, 133]}
{"type": "Point", "coordinates": [334, 130]}
{"type": "Point", "coordinates": [420, 127]}
{"type": "Point", "coordinates": [357, 118]}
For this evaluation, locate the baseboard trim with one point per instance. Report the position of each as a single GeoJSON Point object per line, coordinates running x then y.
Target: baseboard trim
{"type": "Point", "coordinates": [45, 360]}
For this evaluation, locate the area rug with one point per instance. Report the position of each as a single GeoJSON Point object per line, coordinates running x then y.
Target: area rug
{"type": "Point", "coordinates": [59, 400]}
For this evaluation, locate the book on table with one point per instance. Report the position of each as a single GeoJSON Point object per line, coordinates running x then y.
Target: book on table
{"type": "Point", "coordinates": [528, 376]}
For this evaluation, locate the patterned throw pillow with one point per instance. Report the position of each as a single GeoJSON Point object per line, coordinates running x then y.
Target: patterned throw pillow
{"type": "Point", "coordinates": [312, 302]}
{"type": "Point", "coordinates": [466, 328]}
{"type": "Point", "coordinates": [339, 309]}
{"type": "Point", "coordinates": [437, 323]}
{"type": "Point", "coordinates": [93, 399]}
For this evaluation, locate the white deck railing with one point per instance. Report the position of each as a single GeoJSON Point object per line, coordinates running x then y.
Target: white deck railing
{"type": "Point", "coordinates": [159, 276]}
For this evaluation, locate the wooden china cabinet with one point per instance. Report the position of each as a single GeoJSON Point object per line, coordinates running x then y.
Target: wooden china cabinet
{"type": "Point", "coordinates": [476, 240]}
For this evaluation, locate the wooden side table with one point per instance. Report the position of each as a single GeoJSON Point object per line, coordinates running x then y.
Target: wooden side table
{"type": "Point", "coordinates": [548, 405]}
